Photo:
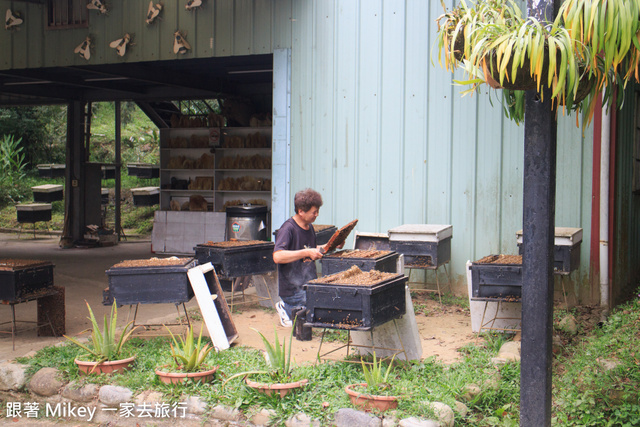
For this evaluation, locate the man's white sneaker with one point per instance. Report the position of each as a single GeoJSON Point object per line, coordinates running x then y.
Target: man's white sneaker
{"type": "Point", "coordinates": [284, 318]}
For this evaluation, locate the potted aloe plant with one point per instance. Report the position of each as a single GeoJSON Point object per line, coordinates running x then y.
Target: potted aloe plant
{"type": "Point", "coordinates": [189, 360]}
{"type": "Point", "coordinates": [105, 350]}
{"type": "Point", "coordinates": [376, 392]}
{"type": "Point", "coordinates": [591, 45]}
{"type": "Point", "coordinates": [279, 379]}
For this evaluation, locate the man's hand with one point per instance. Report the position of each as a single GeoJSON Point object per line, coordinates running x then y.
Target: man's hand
{"type": "Point", "coordinates": [314, 253]}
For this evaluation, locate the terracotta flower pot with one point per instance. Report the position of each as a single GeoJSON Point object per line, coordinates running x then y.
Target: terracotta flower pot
{"type": "Point", "coordinates": [281, 389]}
{"type": "Point", "coordinates": [370, 401]}
{"type": "Point", "coordinates": [180, 377]}
{"type": "Point", "coordinates": [107, 367]}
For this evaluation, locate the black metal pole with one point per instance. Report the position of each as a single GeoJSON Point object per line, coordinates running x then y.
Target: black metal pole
{"type": "Point", "coordinates": [539, 193]}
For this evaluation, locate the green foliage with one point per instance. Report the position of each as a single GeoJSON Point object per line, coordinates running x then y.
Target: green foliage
{"type": "Point", "coordinates": [104, 345]}
{"type": "Point", "coordinates": [188, 354]}
{"type": "Point", "coordinates": [591, 46]}
{"type": "Point", "coordinates": [12, 167]}
{"type": "Point", "coordinates": [278, 357]}
{"type": "Point", "coordinates": [584, 392]}
{"type": "Point", "coordinates": [375, 376]}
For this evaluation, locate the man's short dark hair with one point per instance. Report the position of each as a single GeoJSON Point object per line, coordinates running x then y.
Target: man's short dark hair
{"type": "Point", "coordinates": [306, 199]}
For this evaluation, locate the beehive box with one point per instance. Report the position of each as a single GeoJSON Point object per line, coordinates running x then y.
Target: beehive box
{"type": "Point", "coordinates": [357, 301]}
{"type": "Point", "coordinates": [324, 233]}
{"type": "Point", "coordinates": [150, 281]}
{"type": "Point", "coordinates": [237, 258]}
{"type": "Point", "coordinates": [566, 249]}
{"type": "Point", "coordinates": [365, 260]}
{"type": "Point", "coordinates": [33, 212]}
{"type": "Point", "coordinates": [47, 193]}
{"type": "Point", "coordinates": [430, 241]}
{"type": "Point", "coordinates": [51, 170]}
{"type": "Point", "coordinates": [146, 196]}
{"type": "Point", "coordinates": [497, 276]}
{"type": "Point", "coordinates": [20, 277]}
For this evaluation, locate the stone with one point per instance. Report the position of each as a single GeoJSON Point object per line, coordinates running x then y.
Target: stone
{"type": "Point", "coordinates": [445, 414]}
{"type": "Point", "coordinates": [148, 396]}
{"type": "Point", "coordinates": [347, 417]}
{"type": "Point", "coordinates": [114, 395]}
{"type": "Point", "coordinates": [417, 422]}
{"type": "Point", "coordinates": [460, 409]}
{"type": "Point", "coordinates": [470, 392]}
{"type": "Point", "coordinates": [45, 382]}
{"type": "Point", "coordinates": [301, 420]}
{"type": "Point", "coordinates": [568, 325]}
{"type": "Point", "coordinates": [80, 393]}
{"type": "Point", "coordinates": [12, 376]}
{"type": "Point", "coordinates": [493, 382]}
{"type": "Point", "coordinates": [510, 351]}
{"type": "Point", "coordinates": [263, 417]}
{"type": "Point", "coordinates": [196, 406]}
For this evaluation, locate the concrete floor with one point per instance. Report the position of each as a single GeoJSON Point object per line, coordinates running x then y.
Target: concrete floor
{"type": "Point", "coordinates": [82, 272]}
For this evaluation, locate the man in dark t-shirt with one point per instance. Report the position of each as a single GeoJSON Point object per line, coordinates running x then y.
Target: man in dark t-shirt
{"type": "Point", "coordinates": [295, 253]}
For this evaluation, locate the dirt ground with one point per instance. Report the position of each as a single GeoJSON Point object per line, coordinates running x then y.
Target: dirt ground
{"type": "Point", "coordinates": [443, 330]}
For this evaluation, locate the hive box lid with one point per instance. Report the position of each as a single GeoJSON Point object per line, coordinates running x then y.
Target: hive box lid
{"type": "Point", "coordinates": [33, 207]}
{"type": "Point", "coordinates": [51, 166]}
{"type": "Point", "coordinates": [104, 191]}
{"type": "Point", "coordinates": [564, 236]}
{"type": "Point", "coordinates": [145, 191]}
{"type": "Point", "coordinates": [47, 188]}
{"type": "Point", "coordinates": [421, 232]}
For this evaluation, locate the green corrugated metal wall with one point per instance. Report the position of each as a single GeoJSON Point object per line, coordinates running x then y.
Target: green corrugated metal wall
{"type": "Point", "coordinates": [386, 138]}
{"type": "Point", "coordinates": [626, 235]}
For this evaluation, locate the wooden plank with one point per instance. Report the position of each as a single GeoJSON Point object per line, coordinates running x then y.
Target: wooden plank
{"type": "Point", "coordinates": [207, 307]}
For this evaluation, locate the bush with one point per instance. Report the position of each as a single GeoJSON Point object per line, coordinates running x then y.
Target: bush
{"type": "Point", "coordinates": [12, 168]}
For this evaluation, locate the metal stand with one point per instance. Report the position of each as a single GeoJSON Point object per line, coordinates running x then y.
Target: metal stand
{"type": "Point", "coordinates": [14, 322]}
{"type": "Point", "coordinates": [412, 267]}
{"type": "Point", "coordinates": [46, 224]}
{"type": "Point", "coordinates": [563, 277]}
{"type": "Point", "coordinates": [239, 285]}
{"type": "Point", "coordinates": [349, 344]}
{"type": "Point", "coordinates": [492, 321]}
{"type": "Point", "coordinates": [146, 326]}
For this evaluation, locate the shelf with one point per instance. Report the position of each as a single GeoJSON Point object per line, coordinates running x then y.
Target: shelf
{"type": "Point", "coordinates": [189, 170]}
{"type": "Point", "coordinates": [243, 192]}
{"type": "Point", "coordinates": [243, 170]}
{"type": "Point", "coordinates": [177, 191]}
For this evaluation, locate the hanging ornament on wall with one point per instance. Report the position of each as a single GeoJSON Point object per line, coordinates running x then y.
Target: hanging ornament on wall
{"type": "Point", "coordinates": [11, 21]}
{"type": "Point", "coordinates": [180, 44]}
{"type": "Point", "coordinates": [120, 45]}
{"type": "Point", "coordinates": [153, 12]}
{"type": "Point", "coordinates": [192, 4]}
{"type": "Point", "coordinates": [84, 48]}
{"type": "Point", "coordinates": [98, 5]}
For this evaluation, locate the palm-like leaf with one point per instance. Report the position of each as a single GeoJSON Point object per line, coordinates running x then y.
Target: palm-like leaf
{"type": "Point", "coordinates": [104, 346]}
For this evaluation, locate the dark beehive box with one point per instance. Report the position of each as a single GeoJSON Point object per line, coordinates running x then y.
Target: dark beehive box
{"type": "Point", "coordinates": [355, 307]}
{"type": "Point", "coordinates": [497, 276]}
{"type": "Point", "coordinates": [566, 249]}
{"type": "Point", "coordinates": [154, 284]}
{"type": "Point", "coordinates": [47, 193]}
{"type": "Point", "coordinates": [236, 259]}
{"type": "Point", "coordinates": [21, 277]}
{"type": "Point", "coordinates": [323, 236]}
{"type": "Point", "coordinates": [51, 170]}
{"type": "Point", "coordinates": [146, 196]}
{"type": "Point", "coordinates": [33, 212]}
{"type": "Point", "coordinates": [428, 243]}
{"type": "Point", "coordinates": [108, 172]}
{"type": "Point", "coordinates": [338, 261]}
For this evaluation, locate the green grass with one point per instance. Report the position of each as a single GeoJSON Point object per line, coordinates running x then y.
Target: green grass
{"type": "Point", "coordinates": [138, 219]}
{"type": "Point", "coordinates": [584, 393]}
